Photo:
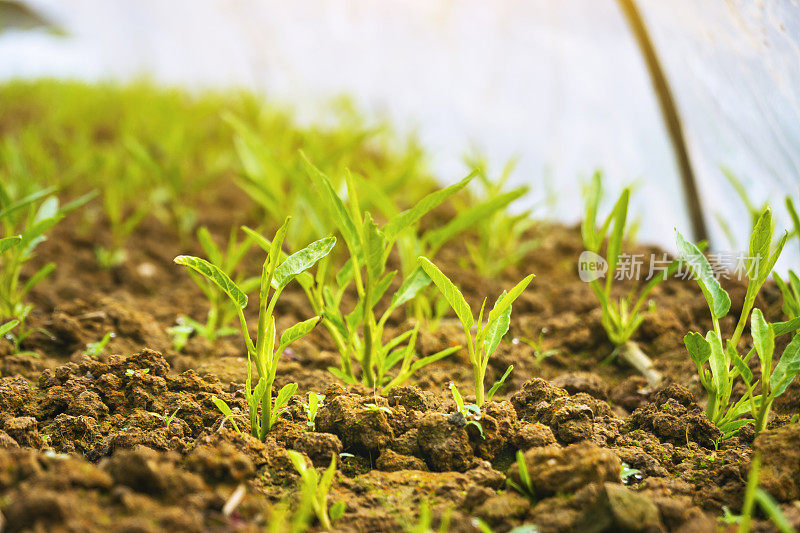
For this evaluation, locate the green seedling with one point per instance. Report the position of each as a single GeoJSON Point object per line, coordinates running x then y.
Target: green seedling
{"type": "Point", "coordinates": [93, 349]}
{"type": "Point", "coordinates": [791, 294]}
{"type": "Point", "coordinates": [376, 408]}
{"type": "Point", "coordinates": [315, 401]}
{"type": "Point", "coordinates": [501, 240]}
{"type": "Point", "coordinates": [168, 419]}
{"type": "Point", "coordinates": [627, 472]}
{"type": "Point", "coordinates": [721, 356]}
{"type": "Point", "coordinates": [24, 223]}
{"type": "Point", "coordinates": [470, 412]}
{"type": "Point", "coordinates": [539, 353]}
{"type": "Point", "coordinates": [222, 310]}
{"type": "Point", "coordinates": [795, 218]}
{"type": "Point", "coordinates": [620, 317]}
{"type": "Point", "coordinates": [755, 494]}
{"type": "Point", "coordinates": [181, 332]}
{"type": "Point", "coordinates": [487, 335]}
{"type": "Point", "coordinates": [525, 487]}
{"type": "Point", "coordinates": [425, 520]}
{"type": "Point", "coordinates": [316, 489]}
{"type": "Point", "coordinates": [359, 334]}
{"type": "Point", "coordinates": [276, 274]}
{"type": "Point", "coordinates": [131, 372]}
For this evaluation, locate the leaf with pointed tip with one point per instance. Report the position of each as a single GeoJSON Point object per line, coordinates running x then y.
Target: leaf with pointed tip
{"type": "Point", "coordinates": [301, 261]}
{"type": "Point", "coordinates": [499, 383]}
{"type": "Point", "coordinates": [763, 338]}
{"type": "Point", "coordinates": [373, 250]}
{"type": "Point", "coordinates": [718, 300]}
{"type": "Point", "coordinates": [216, 276]}
{"type": "Point", "coordinates": [412, 215]}
{"type": "Point", "coordinates": [505, 301]}
{"type": "Point", "coordinates": [9, 242]}
{"type": "Point", "coordinates": [449, 291]}
{"type": "Point", "coordinates": [415, 282]}
{"type": "Point", "coordinates": [225, 410]}
{"type": "Point", "coordinates": [787, 368]}
{"type": "Point", "coordinates": [8, 326]}
{"type": "Point", "coordinates": [335, 206]}
{"type": "Point", "coordinates": [298, 331]}
{"type": "Point", "coordinates": [496, 329]}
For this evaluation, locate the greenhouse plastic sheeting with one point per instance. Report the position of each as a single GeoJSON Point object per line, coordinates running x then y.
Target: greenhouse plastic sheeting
{"type": "Point", "coordinates": [560, 84]}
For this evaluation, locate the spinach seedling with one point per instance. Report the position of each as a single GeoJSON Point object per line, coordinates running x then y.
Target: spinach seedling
{"type": "Point", "coordinates": [620, 318]}
{"type": "Point", "coordinates": [315, 401]}
{"type": "Point", "coordinates": [488, 335]}
{"type": "Point", "coordinates": [790, 292]}
{"type": "Point", "coordinates": [359, 333]}
{"type": "Point", "coordinates": [276, 274]}
{"type": "Point", "coordinates": [525, 486]}
{"type": "Point", "coordinates": [721, 356]}
{"type": "Point", "coordinates": [470, 412]}
{"type": "Point", "coordinates": [316, 489]}
{"type": "Point", "coordinates": [93, 349]}
{"type": "Point", "coordinates": [24, 223]}
{"type": "Point", "coordinates": [754, 494]}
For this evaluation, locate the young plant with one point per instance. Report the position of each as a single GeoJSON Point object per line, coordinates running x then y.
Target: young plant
{"type": "Point", "coordinates": [221, 311]}
{"type": "Point", "coordinates": [275, 276]}
{"type": "Point", "coordinates": [315, 401]}
{"type": "Point", "coordinates": [721, 355]}
{"type": "Point", "coordinates": [620, 317]}
{"type": "Point", "coordinates": [501, 235]}
{"type": "Point", "coordinates": [790, 293]}
{"type": "Point", "coordinates": [470, 412]}
{"type": "Point", "coordinates": [487, 335]}
{"type": "Point", "coordinates": [755, 494]}
{"type": "Point", "coordinates": [359, 334]}
{"type": "Point", "coordinates": [316, 489]}
{"type": "Point", "coordinates": [93, 349]}
{"type": "Point", "coordinates": [525, 486]}
{"type": "Point", "coordinates": [24, 223]}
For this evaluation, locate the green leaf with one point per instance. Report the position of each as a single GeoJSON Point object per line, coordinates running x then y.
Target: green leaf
{"type": "Point", "coordinates": [382, 286]}
{"type": "Point", "coordinates": [763, 339]}
{"type": "Point", "coordinates": [225, 410]}
{"type": "Point", "coordinates": [499, 383]}
{"type": "Point", "coordinates": [785, 370]}
{"type": "Point", "coordinates": [337, 510]}
{"type": "Point", "coordinates": [211, 249]}
{"type": "Point", "coordinates": [415, 282]}
{"type": "Point", "coordinates": [782, 328]}
{"type": "Point", "coordinates": [469, 218]}
{"type": "Point", "coordinates": [284, 395]}
{"type": "Point", "coordinates": [9, 242]}
{"type": "Point", "coordinates": [31, 236]}
{"type": "Point", "coordinates": [773, 511]}
{"type": "Point", "coordinates": [457, 397]}
{"type": "Point", "coordinates": [719, 368]}
{"type": "Point", "coordinates": [216, 276]}
{"type": "Point", "coordinates": [374, 245]}
{"type": "Point", "coordinates": [298, 331]}
{"type": "Point", "coordinates": [40, 274]}
{"type": "Point", "coordinates": [27, 200]}
{"type": "Point", "coordinates": [8, 326]}
{"type": "Point", "coordinates": [760, 240]}
{"type": "Point", "coordinates": [496, 329]}
{"type": "Point", "coordinates": [505, 302]}
{"type": "Point", "coordinates": [335, 206]}
{"type": "Point", "coordinates": [429, 202]}
{"type": "Point", "coordinates": [449, 291]}
{"type": "Point", "coordinates": [620, 216]}
{"type": "Point", "coordinates": [742, 367]}
{"type": "Point", "coordinates": [698, 347]}
{"type": "Point", "coordinates": [301, 261]}
{"type": "Point", "coordinates": [718, 300]}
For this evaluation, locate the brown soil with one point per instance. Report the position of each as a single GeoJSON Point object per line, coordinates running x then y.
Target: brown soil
{"type": "Point", "coordinates": [85, 443]}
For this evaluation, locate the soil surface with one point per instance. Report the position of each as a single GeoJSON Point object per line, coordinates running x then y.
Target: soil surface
{"type": "Point", "coordinates": [88, 443]}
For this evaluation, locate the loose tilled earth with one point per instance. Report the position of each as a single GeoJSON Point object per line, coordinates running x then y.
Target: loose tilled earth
{"type": "Point", "coordinates": [86, 445]}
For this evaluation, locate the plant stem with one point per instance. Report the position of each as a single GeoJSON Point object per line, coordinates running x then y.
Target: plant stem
{"type": "Point", "coordinates": [634, 356]}
{"type": "Point", "coordinates": [750, 494]}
